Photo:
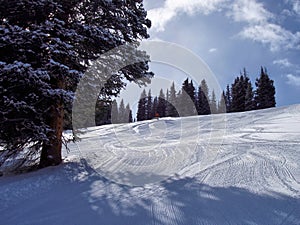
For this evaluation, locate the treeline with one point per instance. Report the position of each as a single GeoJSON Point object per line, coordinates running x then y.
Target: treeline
{"type": "Point", "coordinates": [107, 112]}
{"type": "Point", "coordinates": [240, 96]}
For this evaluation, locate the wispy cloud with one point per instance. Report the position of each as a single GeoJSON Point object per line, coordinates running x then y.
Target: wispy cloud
{"type": "Point", "coordinates": [293, 80]}
{"type": "Point", "coordinates": [259, 22]}
{"type": "Point", "coordinates": [161, 16]}
{"type": "Point", "coordinates": [274, 35]}
{"type": "Point", "coordinates": [260, 28]}
{"type": "Point", "coordinates": [295, 5]}
{"type": "Point", "coordinates": [249, 11]}
{"type": "Point", "coordinates": [212, 50]}
{"type": "Point", "coordinates": [282, 63]}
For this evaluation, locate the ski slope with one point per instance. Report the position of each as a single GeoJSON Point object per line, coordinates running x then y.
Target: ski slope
{"type": "Point", "coordinates": [241, 168]}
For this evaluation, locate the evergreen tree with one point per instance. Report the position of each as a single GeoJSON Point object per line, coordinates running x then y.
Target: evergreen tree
{"type": "Point", "coordinates": [222, 103]}
{"type": "Point", "coordinates": [228, 99]}
{"type": "Point", "coordinates": [128, 114]}
{"type": "Point", "coordinates": [149, 106]}
{"type": "Point", "coordinates": [172, 102]}
{"type": "Point", "coordinates": [184, 99]}
{"type": "Point", "coordinates": [191, 92]}
{"type": "Point", "coordinates": [161, 105]}
{"type": "Point", "coordinates": [167, 103]}
{"type": "Point", "coordinates": [204, 88]}
{"type": "Point", "coordinates": [122, 116]}
{"type": "Point", "coordinates": [265, 92]}
{"type": "Point", "coordinates": [238, 92]}
{"type": "Point", "coordinates": [187, 99]}
{"type": "Point", "coordinates": [130, 120]}
{"type": "Point", "coordinates": [213, 103]}
{"type": "Point", "coordinates": [154, 106]}
{"type": "Point", "coordinates": [102, 112]}
{"type": "Point", "coordinates": [142, 105]}
{"type": "Point", "coordinates": [114, 112]}
{"type": "Point", "coordinates": [202, 102]}
{"type": "Point", "coordinates": [249, 98]}
{"type": "Point", "coordinates": [45, 48]}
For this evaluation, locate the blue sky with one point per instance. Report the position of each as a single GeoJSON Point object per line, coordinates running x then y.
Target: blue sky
{"type": "Point", "coordinates": [229, 35]}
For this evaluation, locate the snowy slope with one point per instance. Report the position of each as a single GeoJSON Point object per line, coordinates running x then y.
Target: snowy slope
{"type": "Point", "coordinates": [241, 168]}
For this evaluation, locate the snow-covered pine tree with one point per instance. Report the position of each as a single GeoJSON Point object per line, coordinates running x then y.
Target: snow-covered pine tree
{"type": "Point", "coordinates": [45, 48]}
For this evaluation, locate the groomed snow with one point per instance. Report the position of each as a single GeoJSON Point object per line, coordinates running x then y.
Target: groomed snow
{"type": "Point", "coordinates": [241, 168]}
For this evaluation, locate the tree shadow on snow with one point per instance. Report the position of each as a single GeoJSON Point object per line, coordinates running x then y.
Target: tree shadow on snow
{"type": "Point", "coordinates": [77, 194]}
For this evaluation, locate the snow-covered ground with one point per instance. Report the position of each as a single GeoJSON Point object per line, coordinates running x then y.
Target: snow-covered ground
{"type": "Point", "coordinates": [241, 168]}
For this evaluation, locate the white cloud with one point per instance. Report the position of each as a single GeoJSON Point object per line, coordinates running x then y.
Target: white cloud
{"type": "Point", "coordinates": [260, 26]}
{"type": "Point", "coordinates": [293, 80]}
{"type": "Point", "coordinates": [161, 16]}
{"type": "Point", "coordinates": [260, 29]}
{"type": "Point", "coordinates": [295, 5]}
{"type": "Point", "coordinates": [249, 11]}
{"type": "Point", "coordinates": [212, 50]}
{"type": "Point", "coordinates": [277, 37]}
{"type": "Point", "coordinates": [282, 63]}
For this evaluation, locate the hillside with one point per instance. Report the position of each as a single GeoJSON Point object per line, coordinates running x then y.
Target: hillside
{"type": "Point", "coordinates": [240, 168]}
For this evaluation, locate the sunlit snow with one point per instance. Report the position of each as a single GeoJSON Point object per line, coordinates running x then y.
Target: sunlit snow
{"type": "Point", "coordinates": [240, 168]}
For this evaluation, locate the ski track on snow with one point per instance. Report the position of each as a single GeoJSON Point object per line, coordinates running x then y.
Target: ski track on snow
{"type": "Point", "coordinates": [238, 168]}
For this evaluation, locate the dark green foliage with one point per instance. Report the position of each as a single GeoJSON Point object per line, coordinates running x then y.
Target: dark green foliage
{"type": "Point", "coordinates": [242, 97]}
{"type": "Point", "coordinates": [239, 98]}
{"type": "Point", "coordinates": [142, 105]}
{"type": "Point", "coordinates": [172, 102]}
{"type": "Point", "coordinates": [161, 105]}
{"type": "Point", "coordinates": [249, 98]}
{"type": "Point", "coordinates": [130, 120]}
{"type": "Point", "coordinates": [238, 92]}
{"type": "Point", "coordinates": [114, 112]}
{"type": "Point", "coordinates": [222, 103]}
{"type": "Point", "coordinates": [186, 106]}
{"type": "Point", "coordinates": [103, 112]}
{"type": "Point", "coordinates": [202, 103]}
{"type": "Point", "coordinates": [45, 48]}
{"type": "Point", "coordinates": [228, 99]}
{"type": "Point", "coordinates": [213, 103]}
{"type": "Point", "coordinates": [109, 112]}
{"type": "Point", "coordinates": [154, 106]}
{"type": "Point", "coordinates": [123, 115]}
{"type": "Point", "coordinates": [149, 112]}
{"type": "Point", "coordinates": [265, 92]}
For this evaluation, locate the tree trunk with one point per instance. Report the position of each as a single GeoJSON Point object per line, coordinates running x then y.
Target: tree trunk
{"type": "Point", "coordinates": [51, 151]}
